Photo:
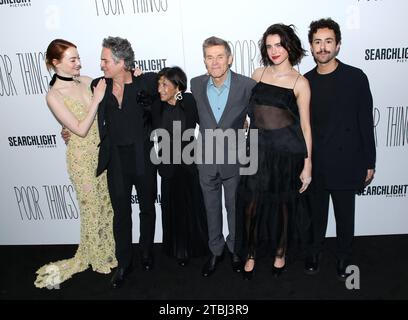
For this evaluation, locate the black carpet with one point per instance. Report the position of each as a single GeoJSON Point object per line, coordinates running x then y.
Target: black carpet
{"type": "Point", "coordinates": [382, 261]}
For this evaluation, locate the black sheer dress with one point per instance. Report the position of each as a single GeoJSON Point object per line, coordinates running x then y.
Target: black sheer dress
{"type": "Point", "coordinates": [270, 209]}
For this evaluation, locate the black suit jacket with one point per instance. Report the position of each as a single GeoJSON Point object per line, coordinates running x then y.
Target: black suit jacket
{"type": "Point", "coordinates": [145, 93]}
{"type": "Point", "coordinates": [342, 155]}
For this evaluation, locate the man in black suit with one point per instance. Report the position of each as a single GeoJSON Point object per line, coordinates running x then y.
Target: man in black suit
{"type": "Point", "coordinates": [343, 142]}
{"type": "Point", "coordinates": [123, 120]}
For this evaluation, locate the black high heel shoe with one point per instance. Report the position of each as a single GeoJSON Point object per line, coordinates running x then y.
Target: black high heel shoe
{"type": "Point", "coordinates": [182, 262]}
{"type": "Point", "coordinates": [276, 271]}
{"type": "Point", "coordinates": [247, 275]}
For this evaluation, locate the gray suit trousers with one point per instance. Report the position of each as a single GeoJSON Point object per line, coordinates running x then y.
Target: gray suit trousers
{"type": "Point", "coordinates": [212, 193]}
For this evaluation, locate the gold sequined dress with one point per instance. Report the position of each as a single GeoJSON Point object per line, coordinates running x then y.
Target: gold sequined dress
{"type": "Point", "coordinates": [96, 246]}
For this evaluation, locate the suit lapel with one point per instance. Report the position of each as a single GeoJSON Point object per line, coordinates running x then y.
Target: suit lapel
{"type": "Point", "coordinates": [336, 115]}
{"type": "Point", "coordinates": [229, 104]}
{"type": "Point", "coordinates": [205, 98]}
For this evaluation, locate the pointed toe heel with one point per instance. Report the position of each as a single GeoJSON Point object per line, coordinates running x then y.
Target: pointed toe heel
{"type": "Point", "coordinates": [277, 272]}
{"type": "Point", "coordinates": [248, 275]}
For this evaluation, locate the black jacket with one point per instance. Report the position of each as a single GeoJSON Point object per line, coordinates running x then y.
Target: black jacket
{"type": "Point", "coordinates": [144, 93]}
{"type": "Point", "coordinates": [345, 149]}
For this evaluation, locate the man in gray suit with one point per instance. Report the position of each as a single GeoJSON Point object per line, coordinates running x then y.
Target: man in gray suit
{"type": "Point", "coordinates": [222, 98]}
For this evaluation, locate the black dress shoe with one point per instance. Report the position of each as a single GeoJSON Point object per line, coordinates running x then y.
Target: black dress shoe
{"type": "Point", "coordinates": [341, 269]}
{"type": "Point", "coordinates": [277, 272]}
{"type": "Point", "coordinates": [182, 262]}
{"type": "Point", "coordinates": [147, 263]}
{"type": "Point", "coordinates": [312, 264]}
{"type": "Point", "coordinates": [210, 266]}
{"type": "Point", "coordinates": [236, 263]}
{"type": "Point", "coordinates": [120, 276]}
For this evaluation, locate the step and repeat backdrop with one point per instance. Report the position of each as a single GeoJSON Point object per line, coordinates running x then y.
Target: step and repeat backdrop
{"type": "Point", "coordinates": [37, 201]}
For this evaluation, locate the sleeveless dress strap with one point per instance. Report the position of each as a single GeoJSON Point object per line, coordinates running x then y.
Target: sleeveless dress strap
{"type": "Point", "coordinates": [262, 73]}
{"type": "Point", "coordinates": [294, 85]}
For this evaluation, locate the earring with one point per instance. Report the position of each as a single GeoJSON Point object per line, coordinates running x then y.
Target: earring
{"type": "Point", "coordinates": [178, 96]}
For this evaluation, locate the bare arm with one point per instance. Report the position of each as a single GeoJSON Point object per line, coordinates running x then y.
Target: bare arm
{"type": "Point", "coordinates": [302, 92]}
{"type": "Point", "coordinates": [65, 116]}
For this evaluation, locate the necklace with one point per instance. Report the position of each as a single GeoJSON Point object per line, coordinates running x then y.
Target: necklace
{"type": "Point", "coordinates": [55, 76]}
{"type": "Point", "coordinates": [281, 74]}
{"type": "Point", "coordinates": [64, 78]}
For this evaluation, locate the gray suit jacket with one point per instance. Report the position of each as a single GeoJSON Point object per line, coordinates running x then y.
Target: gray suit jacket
{"type": "Point", "coordinates": [233, 118]}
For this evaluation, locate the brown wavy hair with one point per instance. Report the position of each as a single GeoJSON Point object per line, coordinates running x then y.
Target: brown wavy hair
{"type": "Point", "coordinates": [289, 40]}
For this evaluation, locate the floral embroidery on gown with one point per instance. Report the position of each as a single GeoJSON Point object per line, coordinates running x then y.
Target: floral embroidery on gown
{"type": "Point", "coordinates": [96, 246]}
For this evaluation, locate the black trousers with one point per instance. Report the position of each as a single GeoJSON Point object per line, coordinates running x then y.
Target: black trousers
{"type": "Point", "coordinates": [122, 176]}
{"type": "Point", "coordinates": [344, 208]}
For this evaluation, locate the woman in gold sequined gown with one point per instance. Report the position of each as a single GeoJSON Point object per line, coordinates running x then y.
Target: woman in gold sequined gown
{"type": "Point", "coordinates": [70, 100]}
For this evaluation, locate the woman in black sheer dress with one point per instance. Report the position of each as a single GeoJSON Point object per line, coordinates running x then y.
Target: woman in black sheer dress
{"type": "Point", "coordinates": [270, 202]}
{"type": "Point", "coordinates": [183, 212]}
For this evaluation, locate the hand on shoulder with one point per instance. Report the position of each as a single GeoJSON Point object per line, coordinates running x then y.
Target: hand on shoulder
{"type": "Point", "coordinates": [99, 90]}
{"type": "Point", "coordinates": [137, 71]}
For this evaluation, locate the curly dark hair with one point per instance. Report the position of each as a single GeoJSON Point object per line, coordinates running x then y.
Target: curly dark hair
{"type": "Point", "coordinates": [176, 76]}
{"type": "Point", "coordinates": [289, 40]}
{"type": "Point", "coordinates": [121, 49]}
{"type": "Point", "coordinates": [324, 23]}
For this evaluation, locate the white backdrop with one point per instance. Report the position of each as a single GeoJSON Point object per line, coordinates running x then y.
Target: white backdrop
{"type": "Point", "coordinates": [37, 201]}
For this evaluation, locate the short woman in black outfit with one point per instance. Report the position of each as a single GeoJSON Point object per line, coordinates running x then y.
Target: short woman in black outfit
{"type": "Point", "coordinates": [183, 212]}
